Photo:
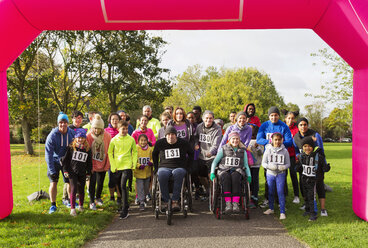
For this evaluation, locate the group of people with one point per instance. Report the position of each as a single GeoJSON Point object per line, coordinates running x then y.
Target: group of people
{"type": "Point", "coordinates": [181, 143]}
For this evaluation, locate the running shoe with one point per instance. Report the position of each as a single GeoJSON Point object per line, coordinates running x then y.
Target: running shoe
{"type": "Point", "coordinates": [80, 208]}
{"type": "Point", "coordinates": [313, 217]}
{"type": "Point", "coordinates": [236, 207]}
{"type": "Point", "coordinates": [99, 202]}
{"type": "Point", "coordinates": [282, 216]}
{"type": "Point", "coordinates": [148, 197]}
{"type": "Point", "coordinates": [66, 202]}
{"type": "Point", "coordinates": [141, 206]}
{"type": "Point", "coordinates": [124, 215]}
{"type": "Point", "coordinates": [296, 200]}
{"type": "Point", "coordinates": [52, 209]}
{"type": "Point", "coordinates": [252, 205]}
{"type": "Point", "coordinates": [302, 207]}
{"type": "Point", "coordinates": [175, 206]}
{"type": "Point", "coordinates": [324, 213]}
{"type": "Point", "coordinates": [268, 211]}
{"type": "Point", "coordinates": [92, 206]}
{"type": "Point", "coordinates": [228, 208]}
{"type": "Point", "coordinates": [264, 204]}
{"type": "Point", "coordinates": [73, 212]}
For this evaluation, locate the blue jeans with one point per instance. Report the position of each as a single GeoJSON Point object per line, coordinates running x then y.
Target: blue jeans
{"type": "Point", "coordinates": [164, 175]}
{"type": "Point", "coordinates": [278, 182]}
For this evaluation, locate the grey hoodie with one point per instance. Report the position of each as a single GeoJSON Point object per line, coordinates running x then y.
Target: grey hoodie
{"type": "Point", "coordinates": [276, 159]}
{"type": "Point", "coordinates": [208, 140]}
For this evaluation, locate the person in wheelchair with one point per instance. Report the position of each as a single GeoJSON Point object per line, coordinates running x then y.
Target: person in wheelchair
{"type": "Point", "coordinates": [232, 164]}
{"type": "Point", "coordinates": [171, 158]}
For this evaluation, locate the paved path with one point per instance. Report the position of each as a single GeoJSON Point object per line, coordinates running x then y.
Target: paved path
{"type": "Point", "coordinates": [199, 229]}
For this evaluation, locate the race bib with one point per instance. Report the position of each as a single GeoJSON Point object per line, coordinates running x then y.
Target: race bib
{"type": "Point", "coordinates": [232, 162]}
{"type": "Point", "coordinates": [172, 153]}
{"type": "Point", "coordinates": [181, 133]}
{"type": "Point", "coordinates": [97, 156]}
{"type": "Point", "coordinates": [204, 138]}
{"type": "Point", "coordinates": [143, 160]}
{"type": "Point", "coordinates": [80, 156]}
{"type": "Point", "coordinates": [276, 158]}
{"type": "Point", "coordinates": [309, 170]}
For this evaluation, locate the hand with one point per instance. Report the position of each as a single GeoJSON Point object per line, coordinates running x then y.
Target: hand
{"type": "Point", "coordinates": [142, 166]}
{"type": "Point", "coordinates": [66, 174]}
{"type": "Point", "coordinates": [282, 167]}
{"type": "Point", "coordinates": [314, 138]}
{"type": "Point", "coordinates": [272, 166]}
{"type": "Point", "coordinates": [196, 147]}
{"type": "Point", "coordinates": [249, 179]}
{"type": "Point", "coordinates": [208, 155]}
{"type": "Point", "coordinates": [150, 163]}
{"type": "Point", "coordinates": [88, 177]}
{"type": "Point", "coordinates": [212, 176]}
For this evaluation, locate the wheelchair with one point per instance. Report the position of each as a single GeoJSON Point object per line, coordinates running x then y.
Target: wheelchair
{"type": "Point", "coordinates": [185, 198]}
{"type": "Point", "coordinates": [217, 198]}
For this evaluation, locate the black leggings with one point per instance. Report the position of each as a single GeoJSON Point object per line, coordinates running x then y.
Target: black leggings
{"type": "Point", "coordinates": [293, 176]}
{"type": "Point", "coordinates": [99, 178]}
{"type": "Point", "coordinates": [123, 176]}
{"type": "Point", "coordinates": [77, 183]}
{"type": "Point", "coordinates": [231, 182]}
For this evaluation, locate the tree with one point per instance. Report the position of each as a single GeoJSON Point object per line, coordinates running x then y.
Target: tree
{"type": "Point", "coordinates": [315, 116]}
{"type": "Point", "coordinates": [127, 68]}
{"type": "Point", "coordinates": [234, 88]}
{"type": "Point", "coordinates": [190, 87]}
{"type": "Point", "coordinates": [339, 123]}
{"type": "Point", "coordinates": [23, 79]}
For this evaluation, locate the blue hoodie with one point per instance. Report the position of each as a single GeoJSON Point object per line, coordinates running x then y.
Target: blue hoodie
{"type": "Point", "coordinates": [267, 128]}
{"type": "Point", "coordinates": [55, 147]}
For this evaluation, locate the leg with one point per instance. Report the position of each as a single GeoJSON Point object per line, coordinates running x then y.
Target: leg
{"type": "Point", "coordinates": [293, 176]}
{"type": "Point", "coordinates": [178, 175]}
{"type": "Point", "coordinates": [286, 190]}
{"type": "Point", "coordinates": [266, 185]}
{"type": "Point", "coordinates": [126, 174]}
{"type": "Point", "coordinates": [81, 185]}
{"type": "Point", "coordinates": [53, 191]}
{"type": "Point", "coordinates": [140, 190]}
{"type": "Point", "coordinates": [163, 175]}
{"type": "Point", "coordinates": [236, 185]}
{"type": "Point", "coordinates": [304, 184]}
{"type": "Point", "coordinates": [100, 183]}
{"type": "Point", "coordinates": [271, 181]}
{"type": "Point", "coordinates": [111, 184]}
{"type": "Point", "coordinates": [255, 182]}
{"type": "Point", "coordinates": [73, 190]}
{"type": "Point", "coordinates": [280, 185]}
{"type": "Point", "coordinates": [147, 184]}
{"type": "Point", "coordinates": [225, 178]}
{"type": "Point", "coordinates": [320, 188]}
{"type": "Point", "coordinates": [92, 187]}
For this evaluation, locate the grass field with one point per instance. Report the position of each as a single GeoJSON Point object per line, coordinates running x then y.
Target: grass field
{"type": "Point", "coordinates": [29, 225]}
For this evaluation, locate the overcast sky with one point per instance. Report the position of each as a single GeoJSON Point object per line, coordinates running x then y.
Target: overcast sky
{"type": "Point", "coordinates": [283, 54]}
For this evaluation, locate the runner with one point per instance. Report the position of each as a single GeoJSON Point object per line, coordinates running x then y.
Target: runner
{"type": "Point", "coordinates": [153, 123]}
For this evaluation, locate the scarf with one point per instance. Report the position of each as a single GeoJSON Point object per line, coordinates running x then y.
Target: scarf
{"type": "Point", "coordinates": [98, 145]}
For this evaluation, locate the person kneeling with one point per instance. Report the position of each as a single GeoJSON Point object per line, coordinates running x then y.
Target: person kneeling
{"type": "Point", "coordinates": [233, 165]}
{"type": "Point", "coordinates": [171, 157]}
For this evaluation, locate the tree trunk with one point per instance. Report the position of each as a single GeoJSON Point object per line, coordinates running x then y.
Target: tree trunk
{"type": "Point", "coordinates": [27, 137]}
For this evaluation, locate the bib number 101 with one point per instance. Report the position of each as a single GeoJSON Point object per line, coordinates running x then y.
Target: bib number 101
{"type": "Point", "coordinates": [80, 156]}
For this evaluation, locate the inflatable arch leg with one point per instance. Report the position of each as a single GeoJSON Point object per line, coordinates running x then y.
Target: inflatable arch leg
{"type": "Point", "coordinates": [6, 193]}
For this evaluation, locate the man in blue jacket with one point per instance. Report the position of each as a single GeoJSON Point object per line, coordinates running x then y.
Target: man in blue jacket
{"type": "Point", "coordinates": [55, 148]}
{"type": "Point", "coordinates": [269, 127]}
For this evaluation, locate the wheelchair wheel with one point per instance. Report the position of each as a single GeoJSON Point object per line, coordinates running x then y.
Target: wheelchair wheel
{"type": "Point", "coordinates": [218, 213]}
{"type": "Point", "coordinates": [169, 212]}
{"type": "Point", "coordinates": [185, 213]}
{"type": "Point", "coordinates": [157, 213]}
{"type": "Point", "coordinates": [153, 193]}
{"type": "Point", "coordinates": [211, 198]}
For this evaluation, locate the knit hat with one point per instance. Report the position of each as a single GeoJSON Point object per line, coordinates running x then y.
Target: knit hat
{"type": "Point", "coordinates": [308, 140]}
{"type": "Point", "coordinates": [241, 113]}
{"type": "Point", "coordinates": [233, 134]}
{"type": "Point", "coordinates": [208, 112]}
{"type": "Point", "coordinates": [272, 110]}
{"type": "Point", "coordinates": [98, 122]}
{"type": "Point", "coordinates": [170, 129]}
{"type": "Point", "coordinates": [62, 116]}
{"type": "Point", "coordinates": [80, 132]}
{"type": "Point", "coordinates": [302, 119]}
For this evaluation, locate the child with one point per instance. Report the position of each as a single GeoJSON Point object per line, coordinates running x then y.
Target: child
{"type": "Point", "coordinates": [99, 141]}
{"type": "Point", "coordinates": [257, 153]}
{"type": "Point", "coordinates": [77, 165]}
{"type": "Point", "coordinates": [233, 166]}
{"type": "Point", "coordinates": [165, 118]}
{"type": "Point", "coordinates": [123, 156]}
{"type": "Point", "coordinates": [142, 128]}
{"type": "Point", "coordinates": [143, 170]}
{"type": "Point", "coordinates": [276, 160]}
{"type": "Point", "coordinates": [311, 164]}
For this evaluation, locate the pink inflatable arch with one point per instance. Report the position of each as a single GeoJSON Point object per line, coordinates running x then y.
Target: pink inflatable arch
{"type": "Point", "coordinates": [342, 24]}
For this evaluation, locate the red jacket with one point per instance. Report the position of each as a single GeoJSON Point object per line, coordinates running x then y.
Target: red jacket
{"type": "Point", "coordinates": [254, 119]}
{"type": "Point", "coordinates": [294, 130]}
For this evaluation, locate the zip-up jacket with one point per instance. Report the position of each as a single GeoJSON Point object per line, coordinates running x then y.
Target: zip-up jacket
{"type": "Point", "coordinates": [293, 130]}
{"type": "Point", "coordinates": [55, 147]}
{"type": "Point", "coordinates": [267, 128]}
{"type": "Point", "coordinates": [308, 166]}
{"type": "Point", "coordinates": [274, 157]}
{"type": "Point", "coordinates": [78, 161]}
{"type": "Point", "coordinates": [298, 137]}
{"type": "Point", "coordinates": [208, 139]}
{"type": "Point", "coordinates": [122, 153]}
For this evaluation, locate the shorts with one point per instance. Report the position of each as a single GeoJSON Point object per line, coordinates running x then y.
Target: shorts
{"type": "Point", "coordinates": [320, 188]}
{"type": "Point", "coordinates": [204, 167]}
{"type": "Point", "coordinates": [55, 178]}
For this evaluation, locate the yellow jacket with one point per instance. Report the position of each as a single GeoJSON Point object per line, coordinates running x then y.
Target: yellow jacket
{"type": "Point", "coordinates": [144, 156]}
{"type": "Point", "coordinates": [122, 153]}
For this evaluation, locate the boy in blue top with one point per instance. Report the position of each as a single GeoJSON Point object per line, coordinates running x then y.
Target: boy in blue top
{"type": "Point", "coordinates": [55, 148]}
{"type": "Point", "coordinates": [273, 125]}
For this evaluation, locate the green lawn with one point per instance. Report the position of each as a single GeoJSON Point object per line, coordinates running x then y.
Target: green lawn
{"type": "Point", "coordinates": [29, 225]}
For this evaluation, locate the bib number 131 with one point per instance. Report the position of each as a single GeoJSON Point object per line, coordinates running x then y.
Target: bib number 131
{"type": "Point", "coordinates": [172, 153]}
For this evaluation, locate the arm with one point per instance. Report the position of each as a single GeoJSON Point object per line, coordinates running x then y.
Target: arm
{"type": "Point", "coordinates": [89, 163]}
{"type": "Point", "coordinates": [297, 152]}
{"type": "Point", "coordinates": [49, 152]}
{"type": "Point", "coordinates": [134, 154]}
{"type": "Point", "coordinates": [248, 136]}
{"type": "Point", "coordinates": [320, 142]}
{"type": "Point", "coordinates": [107, 144]}
{"type": "Point", "coordinates": [111, 156]}
{"type": "Point", "coordinates": [67, 159]}
{"type": "Point", "coordinates": [219, 156]}
{"type": "Point", "coordinates": [155, 156]}
{"type": "Point", "coordinates": [265, 159]}
{"type": "Point", "coordinates": [216, 142]}
{"type": "Point", "coordinates": [261, 135]}
{"type": "Point", "coordinates": [288, 139]}
{"type": "Point", "coordinates": [224, 138]}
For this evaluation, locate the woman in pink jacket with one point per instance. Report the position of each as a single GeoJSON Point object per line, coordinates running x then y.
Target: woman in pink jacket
{"type": "Point", "coordinates": [99, 141]}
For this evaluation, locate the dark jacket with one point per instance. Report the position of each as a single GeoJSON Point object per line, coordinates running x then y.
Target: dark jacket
{"type": "Point", "coordinates": [310, 161]}
{"type": "Point", "coordinates": [77, 162]}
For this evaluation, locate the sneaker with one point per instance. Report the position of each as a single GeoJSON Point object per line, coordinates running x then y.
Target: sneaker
{"type": "Point", "coordinates": [264, 204]}
{"type": "Point", "coordinates": [228, 208]}
{"type": "Point", "coordinates": [252, 205]}
{"type": "Point", "coordinates": [148, 197]}
{"type": "Point", "coordinates": [136, 202]}
{"type": "Point", "coordinates": [73, 212]}
{"type": "Point", "coordinates": [52, 209]}
{"type": "Point", "coordinates": [328, 188]}
{"type": "Point", "coordinates": [99, 202]}
{"type": "Point", "coordinates": [236, 207]}
{"type": "Point", "coordinates": [306, 214]}
{"type": "Point", "coordinates": [269, 211]}
{"type": "Point", "coordinates": [175, 206]}
{"type": "Point", "coordinates": [141, 206]}
{"type": "Point", "coordinates": [124, 215]}
{"type": "Point", "coordinates": [296, 200]}
{"type": "Point", "coordinates": [313, 217]}
{"type": "Point", "coordinates": [282, 216]}
{"type": "Point", "coordinates": [324, 213]}
{"type": "Point", "coordinates": [92, 206]}
{"type": "Point", "coordinates": [66, 202]}
{"type": "Point", "coordinates": [80, 208]}
{"type": "Point", "coordinates": [302, 207]}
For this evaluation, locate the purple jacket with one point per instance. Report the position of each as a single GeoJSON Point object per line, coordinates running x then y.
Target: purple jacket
{"type": "Point", "coordinates": [245, 134]}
